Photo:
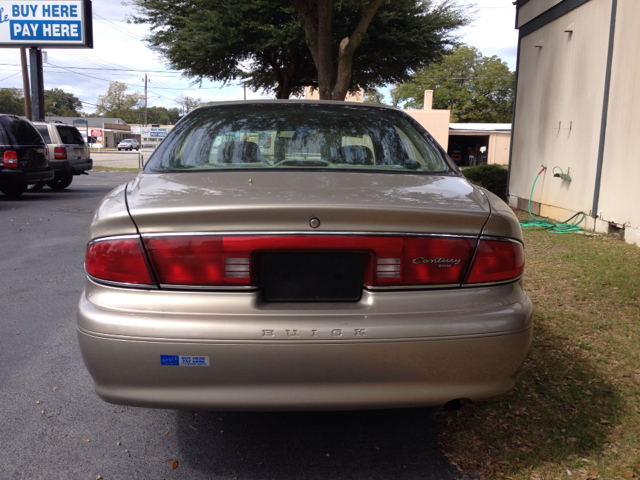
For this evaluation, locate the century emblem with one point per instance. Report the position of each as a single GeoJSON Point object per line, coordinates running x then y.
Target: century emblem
{"type": "Point", "coordinates": [441, 262]}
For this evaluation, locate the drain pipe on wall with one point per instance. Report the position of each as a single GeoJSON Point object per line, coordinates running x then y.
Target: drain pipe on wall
{"type": "Point", "coordinates": [605, 111]}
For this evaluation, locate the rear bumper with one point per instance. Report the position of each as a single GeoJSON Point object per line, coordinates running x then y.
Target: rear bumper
{"type": "Point", "coordinates": [267, 357]}
{"type": "Point", "coordinates": [73, 168]}
{"type": "Point", "coordinates": [15, 177]}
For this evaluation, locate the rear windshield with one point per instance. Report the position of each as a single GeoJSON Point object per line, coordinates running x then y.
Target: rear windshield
{"type": "Point", "coordinates": [70, 135]}
{"type": "Point", "coordinates": [298, 136]}
{"type": "Point", "coordinates": [20, 131]}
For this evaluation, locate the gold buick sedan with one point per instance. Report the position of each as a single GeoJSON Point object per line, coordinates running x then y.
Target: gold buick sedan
{"type": "Point", "coordinates": [298, 255]}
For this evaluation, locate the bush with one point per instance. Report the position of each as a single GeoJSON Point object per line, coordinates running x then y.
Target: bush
{"type": "Point", "coordinates": [490, 176]}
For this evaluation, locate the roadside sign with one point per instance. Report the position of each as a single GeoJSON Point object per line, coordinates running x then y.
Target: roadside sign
{"type": "Point", "coordinates": [51, 24]}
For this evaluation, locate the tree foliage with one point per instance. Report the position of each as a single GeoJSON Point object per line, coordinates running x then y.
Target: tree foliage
{"type": "Point", "coordinates": [263, 43]}
{"type": "Point", "coordinates": [117, 103]}
{"type": "Point", "coordinates": [373, 96]}
{"type": "Point", "coordinates": [475, 88]}
{"type": "Point", "coordinates": [188, 103]}
{"type": "Point", "coordinates": [11, 101]}
{"type": "Point", "coordinates": [160, 115]}
{"type": "Point", "coordinates": [259, 41]}
{"type": "Point", "coordinates": [57, 102]}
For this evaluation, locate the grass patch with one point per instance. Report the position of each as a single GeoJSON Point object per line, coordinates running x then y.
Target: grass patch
{"type": "Point", "coordinates": [576, 404]}
{"type": "Point", "coordinates": [100, 168]}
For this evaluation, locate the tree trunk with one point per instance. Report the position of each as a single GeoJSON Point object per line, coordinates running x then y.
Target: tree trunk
{"type": "Point", "coordinates": [316, 19]}
{"type": "Point", "coordinates": [285, 87]}
{"type": "Point", "coordinates": [324, 64]}
{"type": "Point", "coordinates": [348, 47]}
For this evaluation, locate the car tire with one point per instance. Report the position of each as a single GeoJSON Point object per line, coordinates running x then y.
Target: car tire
{"type": "Point", "coordinates": [14, 190]}
{"type": "Point", "coordinates": [60, 182]}
{"type": "Point", "coordinates": [119, 149]}
{"type": "Point", "coordinates": [35, 187]}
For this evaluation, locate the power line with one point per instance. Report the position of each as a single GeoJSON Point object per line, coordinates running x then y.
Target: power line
{"type": "Point", "coordinates": [123, 69]}
{"type": "Point", "coordinates": [12, 75]}
{"type": "Point", "coordinates": [102, 62]}
{"type": "Point", "coordinates": [116, 27]}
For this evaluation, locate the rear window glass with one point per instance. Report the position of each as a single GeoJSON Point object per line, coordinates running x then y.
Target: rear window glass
{"type": "Point", "coordinates": [70, 135]}
{"type": "Point", "coordinates": [44, 131]}
{"type": "Point", "coordinates": [20, 132]}
{"type": "Point", "coordinates": [298, 136]}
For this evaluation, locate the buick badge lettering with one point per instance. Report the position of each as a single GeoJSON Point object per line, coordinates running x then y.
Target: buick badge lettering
{"type": "Point", "coordinates": [314, 333]}
{"type": "Point", "coordinates": [441, 262]}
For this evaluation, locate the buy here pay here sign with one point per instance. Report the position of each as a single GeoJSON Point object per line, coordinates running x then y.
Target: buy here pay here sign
{"type": "Point", "coordinates": [53, 24]}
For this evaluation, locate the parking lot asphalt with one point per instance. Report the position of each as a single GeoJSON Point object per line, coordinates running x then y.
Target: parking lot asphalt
{"type": "Point", "coordinates": [123, 159]}
{"type": "Point", "coordinates": [53, 426]}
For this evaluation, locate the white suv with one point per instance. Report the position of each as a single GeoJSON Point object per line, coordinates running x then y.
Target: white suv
{"type": "Point", "coordinates": [68, 154]}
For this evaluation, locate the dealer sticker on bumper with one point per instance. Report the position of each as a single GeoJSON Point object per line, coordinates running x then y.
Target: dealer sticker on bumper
{"type": "Point", "coordinates": [184, 361]}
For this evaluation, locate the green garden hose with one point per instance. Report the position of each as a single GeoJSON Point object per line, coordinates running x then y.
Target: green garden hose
{"type": "Point", "coordinates": [545, 224]}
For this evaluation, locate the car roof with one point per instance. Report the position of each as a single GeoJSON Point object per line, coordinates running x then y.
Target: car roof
{"type": "Point", "coordinates": [54, 123]}
{"type": "Point", "coordinates": [299, 102]}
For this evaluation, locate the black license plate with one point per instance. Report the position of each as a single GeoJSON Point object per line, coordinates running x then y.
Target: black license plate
{"type": "Point", "coordinates": [311, 277]}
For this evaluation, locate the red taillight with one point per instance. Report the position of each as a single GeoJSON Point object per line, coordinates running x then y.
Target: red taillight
{"type": "Point", "coordinates": [10, 158]}
{"type": "Point", "coordinates": [60, 153]}
{"type": "Point", "coordinates": [189, 260]}
{"type": "Point", "coordinates": [435, 260]}
{"type": "Point", "coordinates": [497, 261]}
{"type": "Point", "coordinates": [118, 260]}
{"type": "Point", "coordinates": [229, 260]}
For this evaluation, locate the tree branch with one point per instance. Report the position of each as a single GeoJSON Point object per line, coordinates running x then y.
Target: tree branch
{"type": "Point", "coordinates": [347, 49]}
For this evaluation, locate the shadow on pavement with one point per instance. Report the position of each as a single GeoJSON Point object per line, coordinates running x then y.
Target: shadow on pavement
{"type": "Point", "coordinates": [356, 444]}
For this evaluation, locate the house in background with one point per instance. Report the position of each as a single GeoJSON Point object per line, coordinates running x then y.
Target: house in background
{"type": "Point", "coordinates": [475, 143]}
{"type": "Point", "coordinates": [577, 112]}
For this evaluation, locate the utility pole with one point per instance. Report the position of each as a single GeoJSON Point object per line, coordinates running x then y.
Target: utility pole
{"type": "Point", "coordinates": [145, 99]}
{"type": "Point", "coordinates": [25, 83]}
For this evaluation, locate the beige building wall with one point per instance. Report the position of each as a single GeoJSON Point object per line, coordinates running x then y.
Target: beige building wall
{"type": "Point", "coordinates": [533, 8]}
{"type": "Point", "coordinates": [436, 122]}
{"type": "Point", "coordinates": [314, 94]}
{"type": "Point", "coordinates": [560, 97]}
{"type": "Point", "coordinates": [559, 107]}
{"type": "Point", "coordinates": [620, 185]}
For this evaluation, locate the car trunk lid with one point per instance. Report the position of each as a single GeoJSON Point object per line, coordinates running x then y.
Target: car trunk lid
{"type": "Point", "coordinates": [287, 201]}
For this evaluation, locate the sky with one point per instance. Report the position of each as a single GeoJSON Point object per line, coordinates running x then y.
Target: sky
{"type": "Point", "coordinates": [120, 54]}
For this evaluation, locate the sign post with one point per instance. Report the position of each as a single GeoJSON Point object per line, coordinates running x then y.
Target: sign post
{"type": "Point", "coordinates": [37, 84]}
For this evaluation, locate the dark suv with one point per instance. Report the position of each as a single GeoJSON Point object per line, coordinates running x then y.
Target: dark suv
{"type": "Point", "coordinates": [24, 155]}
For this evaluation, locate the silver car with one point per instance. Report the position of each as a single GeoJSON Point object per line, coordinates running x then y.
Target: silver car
{"type": "Point", "coordinates": [298, 255]}
{"type": "Point", "coordinates": [128, 144]}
